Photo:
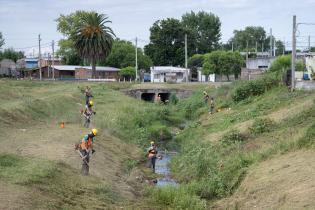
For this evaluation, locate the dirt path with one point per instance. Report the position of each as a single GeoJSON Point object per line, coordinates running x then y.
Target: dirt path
{"type": "Point", "coordinates": [284, 182]}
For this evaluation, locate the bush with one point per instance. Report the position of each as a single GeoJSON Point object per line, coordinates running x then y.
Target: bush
{"type": "Point", "coordinates": [232, 137]}
{"type": "Point", "coordinates": [173, 99]}
{"type": "Point", "coordinates": [261, 125]}
{"type": "Point", "coordinates": [255, 87]}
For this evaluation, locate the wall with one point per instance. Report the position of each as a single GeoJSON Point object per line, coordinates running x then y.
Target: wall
{"type": "Point", "coordinates": [250, 74]}
{"type": "Point", "coordinates": [257, 63]}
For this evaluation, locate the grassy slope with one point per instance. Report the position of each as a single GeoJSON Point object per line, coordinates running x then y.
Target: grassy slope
{"type": "Point", "coordinates": [37, 157]}
{"type": "Point", "coordinates": [31, 112]}
{"type": "Point", "coordinates": [211, 170]}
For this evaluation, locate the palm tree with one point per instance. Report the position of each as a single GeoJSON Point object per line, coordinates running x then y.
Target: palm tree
{"type": "Point", "coordinates": [93, 39]}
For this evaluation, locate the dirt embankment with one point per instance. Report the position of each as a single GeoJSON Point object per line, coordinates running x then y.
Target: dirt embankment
{"type": "Point", "coordinates": [284, 182]}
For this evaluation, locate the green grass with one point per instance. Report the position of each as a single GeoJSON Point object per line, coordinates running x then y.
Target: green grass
{"type": "Point", "coordinates": [207, 170]}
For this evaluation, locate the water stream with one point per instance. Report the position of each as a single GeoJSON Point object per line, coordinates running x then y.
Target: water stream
{"type": "Point", "coordinates": [161, 168]}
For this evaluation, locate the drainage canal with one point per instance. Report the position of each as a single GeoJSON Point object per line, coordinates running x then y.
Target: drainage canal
{"type": "Point", "coordinates": [162, 169]}
{"type": "Point", "coordinates": [152, 94]}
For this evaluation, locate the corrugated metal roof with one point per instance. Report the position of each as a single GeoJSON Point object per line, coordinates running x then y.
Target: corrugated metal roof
{"type": "Point", "coordinates": [167, 69]}
{"type": "Point", "coordinates": [73, 68]}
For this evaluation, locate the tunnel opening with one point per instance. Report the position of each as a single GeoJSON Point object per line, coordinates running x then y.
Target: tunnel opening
{"type": "Point", "coordinates": [165, 97]}
{"type": "Point", "coordinates": [148, 97]}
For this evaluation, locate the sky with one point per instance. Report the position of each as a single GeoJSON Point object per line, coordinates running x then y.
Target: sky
{"type": "Point", "coordinates": [22, 20]}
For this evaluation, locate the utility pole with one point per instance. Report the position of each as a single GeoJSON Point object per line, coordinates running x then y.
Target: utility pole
{"type": "Point", "coordinates": [186, 58]}
{"type": "Point", "coordinates": [270, 51]}
{"type": "Point", "coordinates": [53, 58]}
{"type": "Point", "coordinates": [48, 65]}
{"type": "Point", "coordinates": [39, 58]}
{"type": "Point", "coordinates": [309, 44]}
{"type": "Point", "coordinates": [256, 49]}
{"type": "Point", "coordinates": [262, 47]}
{"type": "Point", "coordinates": [274, 47]}
{"type": "Point", "coordinates": [283, 50]}
{"type": "Point", "coordinates": [246, 50]}
{"type": "Point", "coordinates": [232, 47]}
{"type": "Point", "coordinates": [136, 59]}
{"type": "Point", "coordinates": [293, 53]}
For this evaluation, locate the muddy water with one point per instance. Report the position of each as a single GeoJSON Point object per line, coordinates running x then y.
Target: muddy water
{"type": "Point", "coordinates": [161, 168]}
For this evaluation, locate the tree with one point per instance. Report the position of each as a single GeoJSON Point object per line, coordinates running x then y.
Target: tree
{"type": "Point", "coordinates": [246, 39]}
{"type": "Point", "coordinates": [123, 55]}
{"type": "Point", "coordinates": [283, 63]}
{"type": "Point", "coordinates": [225, 63]}
{"type": "Point", "coordinates": [93, 39]}
{"type": "Point", "coordinates": [167, 42]}
{"type": "Point", "coordinates": [67, 25]}
{"type": "Point", "coordinates": [280, 48]}
{"type": "Point", "coordinates": [10, 53]}
{"type": "Point", "coordinates": [195, 62]}
{"type": "Point", "coordinates": [207, 69]}
{"type": "Point", "coordinates": [68, 53]}
{"type": "Point", "coordinates": [205, 29]}
{"type": "Point", "coordinates": [167, 38]}
{"type": "Point", "coordinates": [128, 72]}
{"type": "Point", "coordinates": [1, 40]}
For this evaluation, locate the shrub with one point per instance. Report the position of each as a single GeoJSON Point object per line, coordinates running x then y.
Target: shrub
{"type": "Point", "coordinates": [261, 125]}
{"type": "Point", "coordinates": [255, 87]}
{"type": "Point", "coordinates": [173, 99]}
{"type": "Point", "coordinates": [232, 137]}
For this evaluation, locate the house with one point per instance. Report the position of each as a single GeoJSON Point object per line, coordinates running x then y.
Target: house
{"type": "Point", "coordinates": [310, 64]}
{"type": "Point", "coordinates": [31, 63]}
{"type": "Point", "coordinates": [8, 68]}
{"type": "Point", "coordinates": [48, 61]}
{"type": "Point", "coordinates": [65, 72]}
{"type": "Point", "coordinates": [169, 74]}
{"type": "Point", "coordinates": [259, 63]}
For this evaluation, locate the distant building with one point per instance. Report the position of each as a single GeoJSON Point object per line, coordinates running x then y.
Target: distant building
{"type": "Point", "coordinates": [169, 74]}
{"type": "Point", "coordinates": [259, 63]}
{"type": "Point", "coordinates": [8, 68]}
{"type": "Point", "coordinates": [75, 72]}
{"type": "Point", "coordinates": [31, 63]}
{"type": "Point", "coordinates": [310, 64]}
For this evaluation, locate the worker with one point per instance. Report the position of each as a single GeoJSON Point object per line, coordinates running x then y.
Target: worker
{"type": "Point", "coordinates": [205, 97]}
{"type": "Point", "coordinates": [88, 94]}
{"type": "Point", "coordinates": [211, 110]}
{"type": "Point", "coordinates": [152, 155]}
{"type": "Point", "coordinates": [158, 99]}
{"type": "Point", "coordinates": [87, 114]}
{"type": "Point", "coordinates": [85, 149]}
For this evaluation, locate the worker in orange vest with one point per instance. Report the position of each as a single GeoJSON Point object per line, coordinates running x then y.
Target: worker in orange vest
{"type": "Point", "coordinates": [152, 155]}
{"type": "Point", "coordinates": [85, 149]}
{"type": "Point", "coordinates": [87, 114]}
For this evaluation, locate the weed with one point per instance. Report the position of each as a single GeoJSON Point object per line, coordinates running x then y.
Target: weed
{"type": "Point", "coordinates": [261, 125]}
{"type": "Point", "coordinates": [232, 137]}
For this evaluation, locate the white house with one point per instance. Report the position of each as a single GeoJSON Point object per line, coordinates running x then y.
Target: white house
{"type": "Point", "coordinates": [169, 74]}
{"type": "Point", "coordinates": [259, 63]}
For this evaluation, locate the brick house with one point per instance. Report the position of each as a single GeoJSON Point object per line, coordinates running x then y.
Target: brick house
{"type": "Point", "coordinates": [75, 72]}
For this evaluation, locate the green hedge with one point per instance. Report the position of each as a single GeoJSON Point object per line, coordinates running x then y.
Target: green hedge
{"type": "Point", "coordinates": [255, 87]}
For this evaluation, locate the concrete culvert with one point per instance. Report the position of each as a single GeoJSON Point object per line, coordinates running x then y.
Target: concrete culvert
{"type": "Point", "coordinates": [148, 97]}
{"type": "Point", "coordinates": [165, 97]}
